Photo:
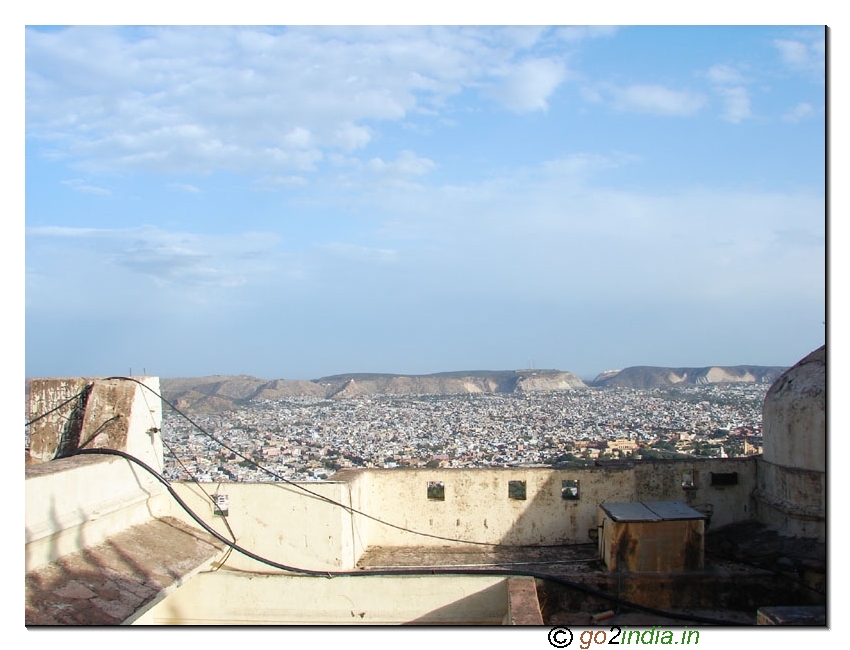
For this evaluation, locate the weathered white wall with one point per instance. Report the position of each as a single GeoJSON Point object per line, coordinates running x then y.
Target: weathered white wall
{"type": "Point", "coordinates": [45, 395]}
{"type": "Point", "coordinates": [279, 522]}
{"type": "Point", "coordinates": [223, 598]}
{"type": "Point", "coordinates": [794, 415]}
{"type": "Point", "coordinates": [144, 435]}
{"type": "Point", "coordinates": [284, 524]}
{"type": "Point", "coordinates": [121, 414]}
{"type": "Point", "coordinates": [477, 507]}
{"type": "Point", "coordinates": [73, 503]}
{"type": "Point", "coordinates": [792, 473]}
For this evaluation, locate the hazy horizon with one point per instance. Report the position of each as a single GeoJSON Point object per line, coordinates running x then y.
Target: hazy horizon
{"type": "Point", "coordinates": [134, 372]}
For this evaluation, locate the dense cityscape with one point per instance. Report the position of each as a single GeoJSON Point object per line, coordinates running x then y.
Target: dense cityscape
{"type": "Point", "coordinates": [307, 438]}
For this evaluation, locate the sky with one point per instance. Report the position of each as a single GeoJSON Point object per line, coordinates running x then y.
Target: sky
{"type": "Point", "coordinates": [295, 202]}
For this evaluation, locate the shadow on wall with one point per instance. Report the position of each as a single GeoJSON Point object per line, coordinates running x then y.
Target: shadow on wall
{"type": "Point", "coordinates": [485, 607]}
{"type": "Point", "coordinates": [100, 585]}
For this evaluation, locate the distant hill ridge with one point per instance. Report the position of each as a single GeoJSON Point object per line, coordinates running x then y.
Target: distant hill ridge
{"type": "Point", "coordinates": [222, 392]}
{"type": "Point", "coordinates": [647, 377]}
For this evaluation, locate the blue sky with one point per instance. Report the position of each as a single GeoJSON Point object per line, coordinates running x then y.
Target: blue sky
{"type": "Point", "coordinates": [297, 202]}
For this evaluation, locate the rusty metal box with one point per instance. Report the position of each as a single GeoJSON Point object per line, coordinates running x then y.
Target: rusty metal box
{"type": "Point", "coordinates": [660, 536]}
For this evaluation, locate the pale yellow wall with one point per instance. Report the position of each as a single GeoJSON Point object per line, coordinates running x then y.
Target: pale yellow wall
{"type": "Point", "coordinates": [284, 524]}
{"type": "Point", "coordinates": [226, 598]}
{"type": "Point", "coordinates": [77, 502]}
{"type": "Point", "coordinates": [69, 509]}
{"type": "Point", "coordinates": [144, 436]}
{"type": "Point", "coordinates": [477, 507]}
{"type": "Point", "coordinates": [279, 522]}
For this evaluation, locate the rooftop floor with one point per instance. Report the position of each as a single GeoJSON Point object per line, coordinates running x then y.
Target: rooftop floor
{"type": "Point", "coordinates": [559, 559]}
{"type": "Point", "coordinates": [108, 583]}
{"type": "Point", "coordinates": [747, 566]}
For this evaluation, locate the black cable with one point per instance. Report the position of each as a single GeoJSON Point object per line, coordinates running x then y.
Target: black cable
{"type": "Point", "coordinates": [348, 509]}
{"type": "Point", "coordinates": [401, 571]}
{"type": "Point", "coordinates": [98, 430]}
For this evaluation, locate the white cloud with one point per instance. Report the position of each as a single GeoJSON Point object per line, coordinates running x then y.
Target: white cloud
{"type": "Point", "coordinates": [655, 99]}
{"type": "Point", "coordinates": [185, 187]}
{"type": "Point", "coordinates": [545, 221]}
{"type": "Point", "coordinates": [591, 94]}
{"type": "Point", "coordinates": [359, 253]}
{"type": "Point", "coordinates": [730, 84]}
{"type": "Point", "coordinates": [579, 168]}
{"type": "Point", "coordinates": [805, 54]}
{"type": "Point", "coordinates": [794, 53]}
{"type": "Point", "coordinates": [407, 164]}
{"type": "Point", "coordinates": [200, 99]}
{"type": "Point", "coordinates": [177, 258]}
{"type": "Point", "coordinates": [800, 112]}
{"type": "Point", "coordinates": [65, 231]}
{"type": "Point", "coordinates": [578, 33]}
{"type": "Point", "coordinates": [79, 185]}
{"type": "Point", "coordinates": [724, 75]}
{"type": "Point", "coordinates": [280, 181]}
{"type": "Point", "coordinates": [299, 137]}
{"type": "Point", "coordinates": [526, 86]}
{"type": "Point", "coordinates": [736, 103]}
{"type": "Point", "coordinates": [350, 136]}
{"type": "Point", "coordinates": [276, 158]}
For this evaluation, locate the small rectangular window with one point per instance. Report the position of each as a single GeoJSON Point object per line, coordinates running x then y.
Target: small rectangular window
{"type": "Point", "coordinates": [569, 490]}
{"type": "Point", "coordinates": [689, 479]}
{"type": "Point", "coordinates": [516, 490]}
{"type": "Point", "coordinates": [220, 507]}
{"type": "Point", "coordinates": [724, 478]}
{"type": "Point", "coordinates": [436, 491]}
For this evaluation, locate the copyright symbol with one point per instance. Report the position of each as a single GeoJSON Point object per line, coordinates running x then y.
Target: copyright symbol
{"type": "Point", "coordinates": [560, 637]}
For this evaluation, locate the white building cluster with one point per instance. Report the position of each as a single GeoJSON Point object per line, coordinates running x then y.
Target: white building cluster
{"type": "Point", "coordinates": [309, 438]}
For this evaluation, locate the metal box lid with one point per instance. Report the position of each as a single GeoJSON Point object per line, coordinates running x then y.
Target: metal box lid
{"type": "Point", "coordinates": [650, 511]}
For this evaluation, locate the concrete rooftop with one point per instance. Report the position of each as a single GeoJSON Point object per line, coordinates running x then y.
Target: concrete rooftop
{"type": "Point", "coordinates": [748, 566]}
{"type": "Point", "coordinates": [108, 583]}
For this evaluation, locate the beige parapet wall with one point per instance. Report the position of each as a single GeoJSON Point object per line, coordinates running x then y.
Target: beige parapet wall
{"type": "Point", "coordinates": [75, 503]}
{"type": "Point", "coordinates": [229, 598]}
{"type": "Point", "coordinates": [278, 521]}
{"type": "Point", "coordinates": [477, 506]}
{"type": "Point", "coordinates": [286, 524]}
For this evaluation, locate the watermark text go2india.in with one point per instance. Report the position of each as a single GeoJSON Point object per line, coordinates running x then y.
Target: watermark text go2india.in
{"type": "Point", "coordinates": [561, 637]}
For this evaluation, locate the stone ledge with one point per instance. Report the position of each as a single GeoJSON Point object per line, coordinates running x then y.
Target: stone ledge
{"type": "Point", "coordinates": [523, 605]}
{"type": "Point", "coordinates": [109, 583]}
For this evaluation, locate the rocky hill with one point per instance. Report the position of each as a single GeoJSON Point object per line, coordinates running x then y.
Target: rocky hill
{"type": "Point", "coordinates": [646, 377]}
{"type": "Point", "coordinates": [222, 392]}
